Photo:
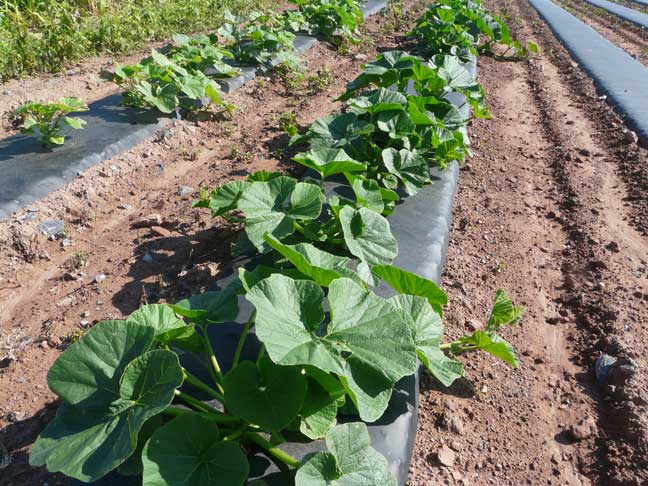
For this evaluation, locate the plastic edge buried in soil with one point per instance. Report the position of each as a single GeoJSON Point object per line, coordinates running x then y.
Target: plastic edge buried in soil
{"type": "Point", "coordinates": [616, 74]}
{"type": "Point", "coordinates": [30, 172]}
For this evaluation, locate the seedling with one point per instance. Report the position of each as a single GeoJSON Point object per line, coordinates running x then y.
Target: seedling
{"type": "Point", "coordinates": [48, 119]}
{"type": "Point", "coordinates": [288, 123]}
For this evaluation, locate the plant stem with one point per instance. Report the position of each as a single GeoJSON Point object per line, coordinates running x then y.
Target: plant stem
{"type": "Point", "coordinates": [217, 374]}
{"type": "Point", "coordinates": [197, 404]}
{"type": "Point", "coordinates": [239, 346]}
{"type": "Point", "coordinates": [261, 353]}
{"type": "Point", "coordinates": [196, 382]}
{"type": "Point", "coordinates": [273, 451]}
{"type": "Point", "coordinates": [220, 418]}
{"type": "Point", "coordinates": [457, 345]}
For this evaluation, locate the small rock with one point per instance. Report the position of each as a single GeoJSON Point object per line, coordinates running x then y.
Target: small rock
{"type": "Point", "coordinates": [52, 228]}
{"type": "Point", "coordinates": [84, 323]}
{"type": "Point", "coordinates": [124, 206]}
{"type": "Point", "coordinates": [584, 429]}
{"type": "Point", "coordinates": [54, 341]}
{"type": "Point", "coordinates": [484, 389]}
{"type": "Point", "coordinates": [148, 258]}
{"type": "Point", "coordinates": [67, 242]}
{"type": "Point", "coordinates": [630, 137]}
{"type": "Point", "coordinates": [12, 417]}
{"type": "Point", "coordinates": [44, 345]}
{"type": "Point", "coordinates": [360, 57]}
{"type": "Point", "coordinates": [185, 190]}
{"type": "Point", "coordinates": [613, 246]}
{"type": "Point", "coordinates": [147, 221]}
{"type": "Point", "coordinates": [446, 456]}
{"type": "Point", "coordinates": [160, 231]}
{"type": "Point", "coordinates": [85, 314]}
{"type": "Point", "coordinates": [99, 278]}
{"type": "Point", "coordinates": [456, 425]}
{"type": "Point", "coordinates": [585, 152]}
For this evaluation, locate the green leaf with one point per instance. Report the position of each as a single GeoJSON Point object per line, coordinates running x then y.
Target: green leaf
{"type": "Point", "coordinates": [492, 344]}
{"type": "Point", "coordinates": [503, 312]}
{"type": "Point", "coordinates": [167, 326]}
{"type": "Point", "coordinates": [368, 194]}
{"type": "Point", "coordinates": [225, 198]}
{"type": "Point", "coordinates": [405, 282]}
{"type": "Point", "coordinates": [273, 206]}
{"type": "Point", "coordinates": [269, 395]}
{"type": "Point", "coordinates": [368, 237]}
{"type": "Point", "coordinates": [188, 452]}
{"type": "Point", "coordinates": [88, 441]}
{"type": "Point", "coordinates": [319, 412]}
{"type": "Point", "coordinates": [133, 465]}
{"type": "Point", "coordinates": [88, 372]}
{"type": "Point", "coordinates": [74, 122]}
{"type": "Point", "coordinates": [366, 343]}
{"type": "Point", "coordinates": [408, 166]}
{"type": "Point", "coordinates": [209, 307]}
{"type": "Point", "coordinates": [350, 461]}
{"type": "Point", "coordinates": [428, 332]}
{"type": "Point", "coordinates": [318, 265]}
{"type": "Point", "coordinates": [329, 161]}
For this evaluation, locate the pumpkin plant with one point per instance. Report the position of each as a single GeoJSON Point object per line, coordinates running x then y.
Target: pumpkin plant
{"type": "Point", "coordinates": [48, 119]}
{"type": "Point", "coordinates": [130, 404]}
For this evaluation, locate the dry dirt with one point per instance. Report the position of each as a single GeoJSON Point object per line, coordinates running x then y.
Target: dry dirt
{"type": "Point", "coordinates": [552, 208]}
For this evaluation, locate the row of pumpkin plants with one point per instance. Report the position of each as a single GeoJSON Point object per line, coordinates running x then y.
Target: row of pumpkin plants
{"type": "Point", "coordinates": [185, 75]}
{"type": "Point", "coordinates": [329, 345]}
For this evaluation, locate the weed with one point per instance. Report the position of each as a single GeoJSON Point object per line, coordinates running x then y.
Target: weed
{"type": "Point", "coordinates": [288, 123]}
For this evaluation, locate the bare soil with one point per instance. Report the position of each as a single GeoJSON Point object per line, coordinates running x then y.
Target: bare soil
{"type": "Point", "coordinates": [548, 209]}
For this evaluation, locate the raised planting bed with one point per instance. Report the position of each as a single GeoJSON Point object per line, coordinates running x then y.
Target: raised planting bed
{"type": "Point", "coordinates": [625, 13]}
{"type": "Point", "coordinates": [616, 74]}
{"type": "Point", "coordinates": [30, 172]}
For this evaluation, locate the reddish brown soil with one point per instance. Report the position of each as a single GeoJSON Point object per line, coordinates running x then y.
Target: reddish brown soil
{"type": "Point", "coordinates": [553, 209]}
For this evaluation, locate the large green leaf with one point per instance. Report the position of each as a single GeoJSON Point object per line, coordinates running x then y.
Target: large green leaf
{"type": "Point", "coordinates": [319, 412]}
{"type": "Point", "coordinates": [428, 332]}
{"type": "Point", "coordinates": [349, 461]}
{"type": "Point", "coordinates": [329, 161]}
{"type": "Point", "coordinates": [411, 168]}
{"type": "Point", "coordinates": [226, 197]}
{"type": "Point", "coordinates": [368, 237]}
{"type": "Point", "coordinates": [209, 307]}
{"type": "Point", "coordinates": [167, 326]}
{"type": "Point", "coordinates": [405, 282]}
{"type": "Point", "coordinates": [273, 206]}
{"type": "Point", "coordinates": [318, 265]}
{"type": "Point", "coordinates": [267, 395]}
{"type": "Point", "coordinates": [366, 343]}
{"type": "Point", "coordinates": [86, 442]}
{"type": "Point", "coordinates": [88, 372]}
{"type": "Point", "coordinates": [188, 451]}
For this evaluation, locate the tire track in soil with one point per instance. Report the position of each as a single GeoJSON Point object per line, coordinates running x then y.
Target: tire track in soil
{"type": "Point", "coordinates": [39, 304]}
{"type": "Point", "coordinates": [553, 209]}
{"type": "Point", "coordinates": [629, 37]}
{"type": "Point", "coordinates": [605, 262]}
